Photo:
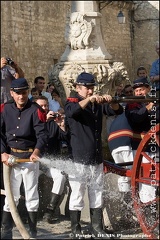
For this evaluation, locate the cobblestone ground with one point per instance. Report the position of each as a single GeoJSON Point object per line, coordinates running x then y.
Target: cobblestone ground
{"type": "Point", "coordinates": [61, 230]}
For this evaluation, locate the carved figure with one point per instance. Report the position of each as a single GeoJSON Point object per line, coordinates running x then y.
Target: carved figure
{"type": "Point", "coordinates": [117, 74]}
{"type": "Point", "coordinates": [70, 74]}
{"type": "Point", "coordinates": [123, 74]}
{"type": "Point", "coordinates": [80, 31]}
{"type": "Point", "coordinates": [100, 72]}
{"type": "Point", "coordinates": [54, 78]}
{"type": "Point", "coordinates": [109, 76]}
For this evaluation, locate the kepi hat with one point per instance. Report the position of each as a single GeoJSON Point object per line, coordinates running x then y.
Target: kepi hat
{"type": "Point", "coordinates": [85, 79]}
{"type": "Point", "coordinates": [19, 84]}
{"type": "Point", "coordinates": [140, 82]}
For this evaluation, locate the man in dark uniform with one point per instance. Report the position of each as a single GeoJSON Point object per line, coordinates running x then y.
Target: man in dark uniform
{"type": "Point", "coordinates": [57, 132]}
{"type": "Point", "coordinates": [84, 116]}
{"type": "Point", "coordinates": [141, 116]}
{"type": "Point", "coordinates": [23, 135]}
{"type": "Point", "coordinates": [119, 143]}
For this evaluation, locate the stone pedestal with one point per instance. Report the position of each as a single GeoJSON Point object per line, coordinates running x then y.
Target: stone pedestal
{"type": "Point", "coordinates": [86, 51]}
{"type": "Point", "coordinates": [83, 34]}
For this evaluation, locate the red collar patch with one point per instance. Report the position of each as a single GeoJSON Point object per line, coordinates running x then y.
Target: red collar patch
{"type": "Point", "coordinates": [72, 100]}
{"type": "Point", "coordinates": [2, 107]}
{"type": "Point", "coordinates": [41, 115]}
{"type": "Point", "coordinates": [133, 106]}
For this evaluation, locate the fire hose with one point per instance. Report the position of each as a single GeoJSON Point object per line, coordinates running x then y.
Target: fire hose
{"type": "Point", "coordinates": [144, 99]}
{"type": "Point", "coordinates": [13, 209]}
{"type": "Point", "coordinates": [131, 99]}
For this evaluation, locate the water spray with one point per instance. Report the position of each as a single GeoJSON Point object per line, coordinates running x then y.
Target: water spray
{"type": "Point", "coordinates": [63, 164]}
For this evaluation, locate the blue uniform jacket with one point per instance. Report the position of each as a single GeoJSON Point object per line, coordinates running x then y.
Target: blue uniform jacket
{"type": "Point", "coordinates": [120, 133]}
{"type": "Point", "coordinates": [85, 127]}
{"type": "Point", "coordinates": [56, 135]}
{"type": "Point", "coordinates": [22, 129]}
{"type": "Point", "coordinates": [141, 120]}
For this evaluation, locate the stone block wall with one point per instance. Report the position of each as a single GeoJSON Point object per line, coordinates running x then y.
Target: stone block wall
{"type": "Point", "coordinates": [33, 34]}
{"type": "Point", "coordinates": [117, 37]}
{"type": "Point", "coordinates": [146, 33]}
{"type": "Point", "coordinates": [132, 42]}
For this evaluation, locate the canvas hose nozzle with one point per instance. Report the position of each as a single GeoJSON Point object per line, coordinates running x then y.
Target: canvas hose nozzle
{"type": "Point", "coordinates": [14, 160]}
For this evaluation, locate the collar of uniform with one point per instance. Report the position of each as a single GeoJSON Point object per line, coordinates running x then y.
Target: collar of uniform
{"type": "Point", "coordinates": [27, 105]}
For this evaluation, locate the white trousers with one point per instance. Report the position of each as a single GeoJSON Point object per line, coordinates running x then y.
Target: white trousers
{"type": "Point", "coordinates": [86, 176]}
{"type": "Point", "coordinates": [28, 172]}
{"type": "Point", "coordinates": [146, 192]}
{"type": "Point", "coordinates": [122, 155]}
{"type": "Point", "coordinates": [59, 180]}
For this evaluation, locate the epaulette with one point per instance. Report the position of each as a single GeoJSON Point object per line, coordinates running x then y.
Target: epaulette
{"type": "Point", "coordinates": [133, 106]}
{"type": "Point", "coordinates": [3, 104]}
{"type": "Point", "coordinates": [70, 99]}
{"type": "Point", "coordinates": [41, 115]}
{"type": "Point", "coordinates": [41, 112]}
{"type": "Point", "coordinates": [2, 107]}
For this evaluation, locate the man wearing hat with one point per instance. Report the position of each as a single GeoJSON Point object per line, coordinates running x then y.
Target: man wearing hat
{"type": "Point", "coordinates": [24, 135]}
{"type": "Point", "coordinates": [140, 115]}
{"type": "Point", "coordinates": [84, 115]}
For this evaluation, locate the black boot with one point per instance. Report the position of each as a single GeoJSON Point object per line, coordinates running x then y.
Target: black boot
{"type": "Point", "coordinates": [7, 225]}
{"type": "Point", "coordinates": [75, 224]}
{"type": "Point", "coordinates": [32, 221]}
{"type": "Point", "coordinates": [48, 216]}
{"type": "Point", "coordinates": [97, 224]}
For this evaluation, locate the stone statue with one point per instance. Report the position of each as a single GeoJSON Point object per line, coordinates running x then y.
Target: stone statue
{"type": "Point", "coordinates": [80, 31]}
{"type": "Point", "coordinates": [108, 76]}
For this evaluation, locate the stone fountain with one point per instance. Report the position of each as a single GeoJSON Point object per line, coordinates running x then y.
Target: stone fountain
{"type": "Point", "coordinates": [86, 51]}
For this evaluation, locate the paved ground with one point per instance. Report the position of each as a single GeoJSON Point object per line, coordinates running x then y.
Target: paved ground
{"type": "Point", "coordinates": [118, 215]}
{"type": "Point", "coordinates": [61, 230]}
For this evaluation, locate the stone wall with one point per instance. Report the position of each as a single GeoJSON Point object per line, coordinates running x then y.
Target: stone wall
{"type": "Point", "coordinates": [145, 33]}
{"type": "Point", "coordinates": [32, 33]}
{"type": "Point", "coordinates": [132, 42]}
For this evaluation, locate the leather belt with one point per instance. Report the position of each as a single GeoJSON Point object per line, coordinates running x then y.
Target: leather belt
{"type": "Point", "coordinates": [22, 151]}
